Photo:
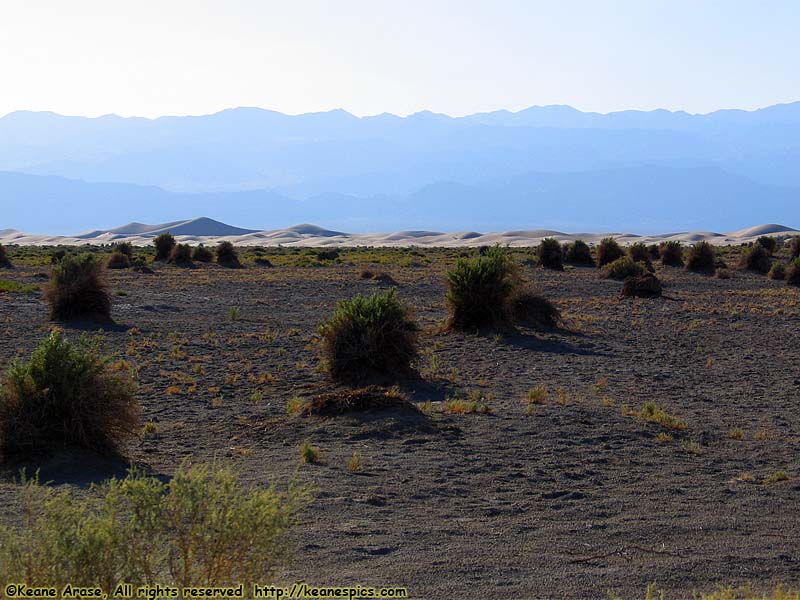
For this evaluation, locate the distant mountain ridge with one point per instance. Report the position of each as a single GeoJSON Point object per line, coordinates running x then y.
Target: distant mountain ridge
{"type": "Point", "coordinates": [551, 166]}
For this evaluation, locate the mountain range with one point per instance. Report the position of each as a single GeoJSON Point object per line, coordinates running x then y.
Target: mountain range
{"type": "Point", "coordinates": [550, 166]}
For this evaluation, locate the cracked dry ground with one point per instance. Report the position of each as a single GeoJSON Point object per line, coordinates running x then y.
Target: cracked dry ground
{"type": "Point", "coordinates": [567, 501]}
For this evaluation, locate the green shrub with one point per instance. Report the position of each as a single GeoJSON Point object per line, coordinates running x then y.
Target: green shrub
{"type": "Point", "coordinates": [778, 271]}
{"type": "Point", "coordinates": [5, 262]}
{"type": "Point", "coordinates": [579, 253]}
{"type": "Point", "coordinates": [608, 250]}
{"type": "Point", "coordinates": [639, 252]}
{"type": "Point", "coordinates": [118, 260]}
{"type": "Point", "coordinates": [124, 248]}
{"type": "Point", "coordinates": [756, 258]}
{"type": "Point", "coordinates": [369, 335]}
{"type": "Point", "coordinates": [550, 254]}
{"type": "Point", "coordinates": [701, 258]}
{"type": "Point", "coordinates": [164, 244]}
{"type": "Point", "coordinates": [793, 272]}
{"type": "Point", "coordinates": [201, 528]}
{"type": "Point", "coordinates": [65, 395]}
{"type": "Point", "coordinates": [478, 290]}
{"type": "Point", "coordinates": [77, 289]}
{"type": "Point", "coordinates": [623, 267]}
{"type": "Point", "coordinates": [181, 255]}
{"type": "Point", "coordinates": [227, 255]}
{"type": "Point", "coordinates": [768, 243]}
{"type": "Point", "coordinates": [794, 247]}
{"type": "Point", "coordinates": [531, 309]}
{"type": "Point", "coordinates": [671, 253]}
{"type": "Point", "coordinates": [202, 254]}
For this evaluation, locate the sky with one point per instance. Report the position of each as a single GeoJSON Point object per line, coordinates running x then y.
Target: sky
{"type": "Point", "coordinates": [151, 58]}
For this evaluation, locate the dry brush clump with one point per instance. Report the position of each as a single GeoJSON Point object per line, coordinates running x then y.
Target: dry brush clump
{"type": "Point", "coordinates": [794, 247]}
{"type": "Point", "coordinates": [622, 268]}
{"type": "Point", "coordinates": [479, 288]}
{"type": "Point", "coordinates": [5, 262]}
{"type": "Point", "coordinates": [65, 395]}
{"type": "Point", "coordinates": [366, 399]}
{"type": "Point", "coordinates": [118, 260]}
{"type": "Point", "coordinates": [646, 285]}
{"type": "Point", "coordinates": [181, 255]}
{"type": "Point", "coordinates": [202, 527]}
{"type": "Point", "coordinates": [369, 336]}
{"type": "Point", "coordinates": [579, 253]}
{"type": "Point", "coordinates": [769, 243]}
{"type": "Point", "coordinates": [550, 254]}
{"type": "Point", "coordinates": [608, 250]}
{"type": "Point", "coordinates": [227, 256]}
{"type": "Point", "coordinates": [77, 290]}
{"type": "Point", "coordinates": [756, 258]}
{"type": "Point", "coordinates": [164, 244]}
{"type": "Point", "coordinates": [533, 310]}
{"type": "Point", "coordinates": [777, 271]}
{"type": "Point", "coordinates": [701, 258]}
{"type": "Point", "coordinates": [793, 272]}
{"type": "Point", "coordinates": [671, 253]}
{"type": "Point", "coordinates": [202, 254]}
{"type": "Point", "coordinates": [640, 253]}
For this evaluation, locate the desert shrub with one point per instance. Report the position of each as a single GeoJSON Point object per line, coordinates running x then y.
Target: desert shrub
{"type": "Point", "coordinates": [701, 258]}
{"type": "Point", "coordinates": [227, 255]}
{"type": "Point", "coordinates": [578, 253]}
{"type": "Point", "coordinates": [181, 255]}
{"type": "Point", "coordinates": [623, 267]}
{"type": "Point", "coordinates": [755, 258]}
{"type": "Point", "coordinates": [124, 248]}
{"type": "Point", "coordinates": [778, 271]}
{"type": "Point", "coordinates": [478, 290]}
{"type": "Point", "coordinates": [371, 398]}
{"type": "Point", "coordinates": [202, 254]}
{"type": "Point", "coordinates": [331, 254]}
{"type": "Point", "coordinates": [5, 262]}
{"type": "Point", "coordinates": [65, 395]}
{"type": "Point", "coordinates": [655, 252]}
{"type": "Point", "coordinates": [369, 335]}
{"type": "Point", "coordinates": [793, 272]}
{"type": "Point", "coordinates": [608, 250]}
{"type": "Point", "coordinates": [164, 244]}
{"type": "Point", "coordinates": [550, 254]}
{"type": "Point", "coordinates": [794, 247]}
{"type": "Point", "coordinates": [529, 308]}
{"type": "Point", "coordinates": [263, 262]}
{"type": "Point", "coordinates": [722, 273]}
{"type": "Point", "coordinates": [380, 276]}
{"type": "Point", "coordinates": [640, 253]}
{"type": "Point", "coordinates": [643, 286]}
{"type": "Point", "coordinates": [203, 527]}
{"type": "Point", "coordinates": [57, 255]}
{"type": "Point", "coordinates": [768, 243]}
{"type": "Point", "coordinates": [77, 289]}
{"type": "Point", "coordinates": [118, 260]}
{"type": "Point", "coordinates": [671, 253]}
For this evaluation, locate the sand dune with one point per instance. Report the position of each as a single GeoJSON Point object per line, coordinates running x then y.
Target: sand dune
{"type": "Point", "coordinates": [209, 232]}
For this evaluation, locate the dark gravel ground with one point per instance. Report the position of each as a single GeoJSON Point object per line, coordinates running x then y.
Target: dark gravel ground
{"type": "Point", "coordinates": [568, 501]}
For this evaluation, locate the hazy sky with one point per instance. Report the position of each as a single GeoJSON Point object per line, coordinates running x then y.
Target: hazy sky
{"type": "Point", "coordinates": [150, 58]}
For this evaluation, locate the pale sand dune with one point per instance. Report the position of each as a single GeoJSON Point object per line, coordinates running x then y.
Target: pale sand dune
{"type": "Point", "coordinates": [209, 232]}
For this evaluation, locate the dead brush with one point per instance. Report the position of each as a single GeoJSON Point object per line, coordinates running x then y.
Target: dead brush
{"type": "Point", "coordinates": [78, 290]}
{"type": "Point", "coordinates": [533, 310]}
{"type": "Point", "coordinates": [379, 276]}
{"type": "Point", "coordinates": [367, 399]}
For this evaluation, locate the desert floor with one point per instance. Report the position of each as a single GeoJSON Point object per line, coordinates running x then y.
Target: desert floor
{"type": "Point", "coordinates": [567, 500]}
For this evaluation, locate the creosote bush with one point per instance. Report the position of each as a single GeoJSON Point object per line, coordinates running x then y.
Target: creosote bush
{"type": "Point", "coordinates": [701, 258]}
{"type": "Point", "coordinates": [756, 258]}
{"type": "Point", "coordinates": [623, 267]}
{"type": "Point", "coordinates": [227, 255]}
{"type": "Point", "coordinates": [579, 253]}
{"type": "Point", "coordinates": [118, 260]}
{"type": "Point", "coordinates": [608, 250]}
{"type": "Point", "coordinates": [671, 253]}
{"type": "Point", "coordinates": [65, 395]}
{"type": "Point", "coordinates": [181, 255]}
{"type": "Point", "coordinates": [164, 244]}
{"type": "Point", "coordinates": [478, 290]}
{"type": "Point", "coordinates": [5, 262]}
{"type": "Point", "coordinates": [778, 271]}
{"type": "Point", "coordinates": [550, 254]}
{"type": "Point", "coordinates": [77, 289]}
{"type": "Point", "coordinates": [202, 254]}
{"type": "Point", "coordinates": [769, 243]}
{"type": "Point", "coordinates": [203, 527]}
{"type": "Point", "coordinates": [369, 336]}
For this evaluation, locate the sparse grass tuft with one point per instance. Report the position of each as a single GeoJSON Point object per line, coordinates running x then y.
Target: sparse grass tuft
{"type": "Point", "coordinates": [369, 335]}
{"type": "Point", "coordinates": [77, 289]}
{"type": "Point", "coordinates": [309, 453]}
{"type": "Point", "coordinates": [776, 477]}
{"type": "Point", "coordinates": [651, 413]}
{"type": "Point", "coordinates": [736, 433]}
{"type": "Point", "coordinates": [8, 286]}
{"type": "Point", "coordinates": [65, 396]}
{"type": "Point", "coordinates": [354, 463]}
